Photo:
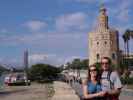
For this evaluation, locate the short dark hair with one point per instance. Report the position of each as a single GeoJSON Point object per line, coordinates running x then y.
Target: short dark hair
{"type": "Point", "coordinates": [109, 60]}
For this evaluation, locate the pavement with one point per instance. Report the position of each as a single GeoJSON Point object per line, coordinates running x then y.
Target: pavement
{"type": "Point", "coordinates": [123, 97]}
{"type": "Point", "coordinates": [64, 91]}
{"type": "Point", "coordinates": [126, 94]}
{"type": "Point", "coordinates": [32, 92]}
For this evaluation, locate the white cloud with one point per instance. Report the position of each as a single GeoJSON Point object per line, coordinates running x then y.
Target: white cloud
{"type": "Point", "coordinates": [35, 25]}
{"type": "Point", "coordinates": [71, 21]}
{"type": "Point", "coordinates": [122, 16]}
{"type": "Point", "coordinates": [123, 11]}
{"type": "Point", "coordinates": [38, 57]}
{"type": "Point", "coordinates": [39, 39]}
{"type": "Point", "coordinates": [46, 58]}
{"type": "Point", "coordinates": [69, 59]}
{"type": "Point", "coordinates": [13, 62]}
{"type": "Point", "coordinates": [9, 40]}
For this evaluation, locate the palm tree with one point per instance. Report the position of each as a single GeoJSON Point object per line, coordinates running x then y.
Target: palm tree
{"type": "Point", "coordinates": [126, 38]}
{"type": "Point", "coordinates": [131, 33]}
{"type": "Point", "coordinates": [125, 63]}
{"type": "Point", "coordinates": [125, 41]}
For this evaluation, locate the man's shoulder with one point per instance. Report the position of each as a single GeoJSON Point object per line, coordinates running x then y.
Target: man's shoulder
{"type": "Point", "coordinates": [114, 73]}
{"type": "Point", "coordinates": [110, 74]}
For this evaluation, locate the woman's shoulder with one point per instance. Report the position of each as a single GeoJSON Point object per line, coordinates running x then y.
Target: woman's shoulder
{"type": "Point", "coordinates": [84, 81]}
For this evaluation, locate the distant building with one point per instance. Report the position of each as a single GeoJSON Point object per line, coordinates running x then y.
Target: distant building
{"type": "Point", "coordinates": [103, 41]}
{"type": "Point", "coordinates": [127, 60]}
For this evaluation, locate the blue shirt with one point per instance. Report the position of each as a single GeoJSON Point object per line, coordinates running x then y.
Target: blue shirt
{"type": "Point", "coordinates": [93, 88]}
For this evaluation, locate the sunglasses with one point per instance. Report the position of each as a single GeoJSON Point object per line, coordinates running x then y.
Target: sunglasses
{"type": "Point", "coordinates": [92, 70]}
{"type": "Point", "coordinates": [104, 63]}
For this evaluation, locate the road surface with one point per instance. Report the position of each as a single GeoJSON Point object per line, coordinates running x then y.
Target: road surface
{"type": "Point", "coordinates": [33, 92]}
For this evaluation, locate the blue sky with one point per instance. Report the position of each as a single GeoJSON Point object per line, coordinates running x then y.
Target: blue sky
{"type": "Point", "coordinates": [55, 31]}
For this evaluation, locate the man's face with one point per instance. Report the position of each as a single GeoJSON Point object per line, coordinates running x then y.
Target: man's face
{"type": "Point", "coordinates": [105, 64]}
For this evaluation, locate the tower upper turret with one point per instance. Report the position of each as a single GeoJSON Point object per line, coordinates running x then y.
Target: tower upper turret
{"type": "Point", "coordinates": [103, 18]}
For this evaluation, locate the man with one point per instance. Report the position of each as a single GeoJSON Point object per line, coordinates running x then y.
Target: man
{"type": "Point", "coordinates": [110, 80]}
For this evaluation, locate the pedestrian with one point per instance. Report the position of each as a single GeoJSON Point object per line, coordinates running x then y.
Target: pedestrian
{"type": "Point", "coordinates": [91, 86]}
{"type": "Point", "coordinates": [110, 80]}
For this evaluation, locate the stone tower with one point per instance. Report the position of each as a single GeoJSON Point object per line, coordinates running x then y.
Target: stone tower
{"type": "Point", "coordinates": [103, 41]}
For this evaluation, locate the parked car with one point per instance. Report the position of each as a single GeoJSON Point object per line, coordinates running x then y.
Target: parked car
{"type": "Point", "coordinates": [16, 79]}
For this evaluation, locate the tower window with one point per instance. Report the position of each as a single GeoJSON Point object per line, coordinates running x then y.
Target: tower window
{"type": "Point", "coordinates": [97, 43]}
{"type": "Point", "coordinates": [105, 42]}
{"type": "Point", "coordinates": [98, 56]}
{"type": "Point", "coordinates": [111, 42]}
{"type": "Point", "coordinates": [113, 56]}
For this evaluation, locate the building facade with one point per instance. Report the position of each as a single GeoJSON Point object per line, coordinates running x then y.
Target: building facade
{"type": "Point", "coordinates": [103, 41]}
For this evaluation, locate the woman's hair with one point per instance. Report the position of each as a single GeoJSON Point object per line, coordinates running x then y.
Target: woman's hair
{"type": "Point", "coordinates": [97, 76]}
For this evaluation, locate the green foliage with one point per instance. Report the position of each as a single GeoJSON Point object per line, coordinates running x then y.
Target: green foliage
{"type": "Point", "coordinates": [126, 35]}
{"type": "Point", "coordinates": [2, 69]}
{"type": "Point", "coordinates": [128, 62]}
{"type": "Point", "coordinates": [98, 65]}
{"type": "Point", "coordinates": [127, 80]}
{"type": "Point", "coordinates": [77, 64]}
{"type": "Point", "coordinates": [84, 64]}
{"type": "Point", "coordinates": [42, 72]}
{"type": "Point", "coordinates": [125, 64]}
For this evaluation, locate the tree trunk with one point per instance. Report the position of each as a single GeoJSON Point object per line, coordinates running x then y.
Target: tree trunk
{"type": "Point", "coordinates": [127, 48]}
{"type": "Point", "coordinates": [127, 53]}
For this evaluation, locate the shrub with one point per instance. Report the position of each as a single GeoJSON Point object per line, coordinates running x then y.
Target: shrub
{"type": "Point", "coordinates": [127, 80]}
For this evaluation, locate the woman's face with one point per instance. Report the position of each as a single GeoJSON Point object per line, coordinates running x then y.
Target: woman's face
{"type": "Point", "coordinates": [93, 71]}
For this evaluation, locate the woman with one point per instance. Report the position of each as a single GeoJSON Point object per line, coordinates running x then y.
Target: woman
{"type": "Point", "coordinates": [91, 86]}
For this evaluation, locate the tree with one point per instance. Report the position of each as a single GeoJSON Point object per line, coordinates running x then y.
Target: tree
{"type": "Point", "coordinates": [77, 64]}
{"type": "Point", "coordinates": [68, 65]}
{"type": "Point", "coordinates": [131, 33]}
{"type": "Point", "coordinates": [84, 64]}
{"type": "Point", "coordinates": [42, 71]}
{"type": "Point", "coordinates": [2, 69]}
{"type": "Point", "coordinates": [126, 37]}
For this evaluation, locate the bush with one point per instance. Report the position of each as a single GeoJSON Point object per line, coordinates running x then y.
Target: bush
{"type": "Point", "coordinates": [127, 80]}
{"type": "Point", "coordinates": [44, 81]}
{"type": "Point", "coordinates": [42, 72]}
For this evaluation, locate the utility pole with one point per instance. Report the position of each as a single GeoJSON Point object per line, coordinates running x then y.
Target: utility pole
{"type": "Point", "coordinates": [26, 65]}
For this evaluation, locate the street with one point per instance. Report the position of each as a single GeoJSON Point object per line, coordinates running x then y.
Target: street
{"type": "Point", "coordinates": [33, 92]}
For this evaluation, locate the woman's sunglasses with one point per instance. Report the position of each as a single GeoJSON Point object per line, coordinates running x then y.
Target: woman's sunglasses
{"type": "Point", "coordinates": [92, 70]}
